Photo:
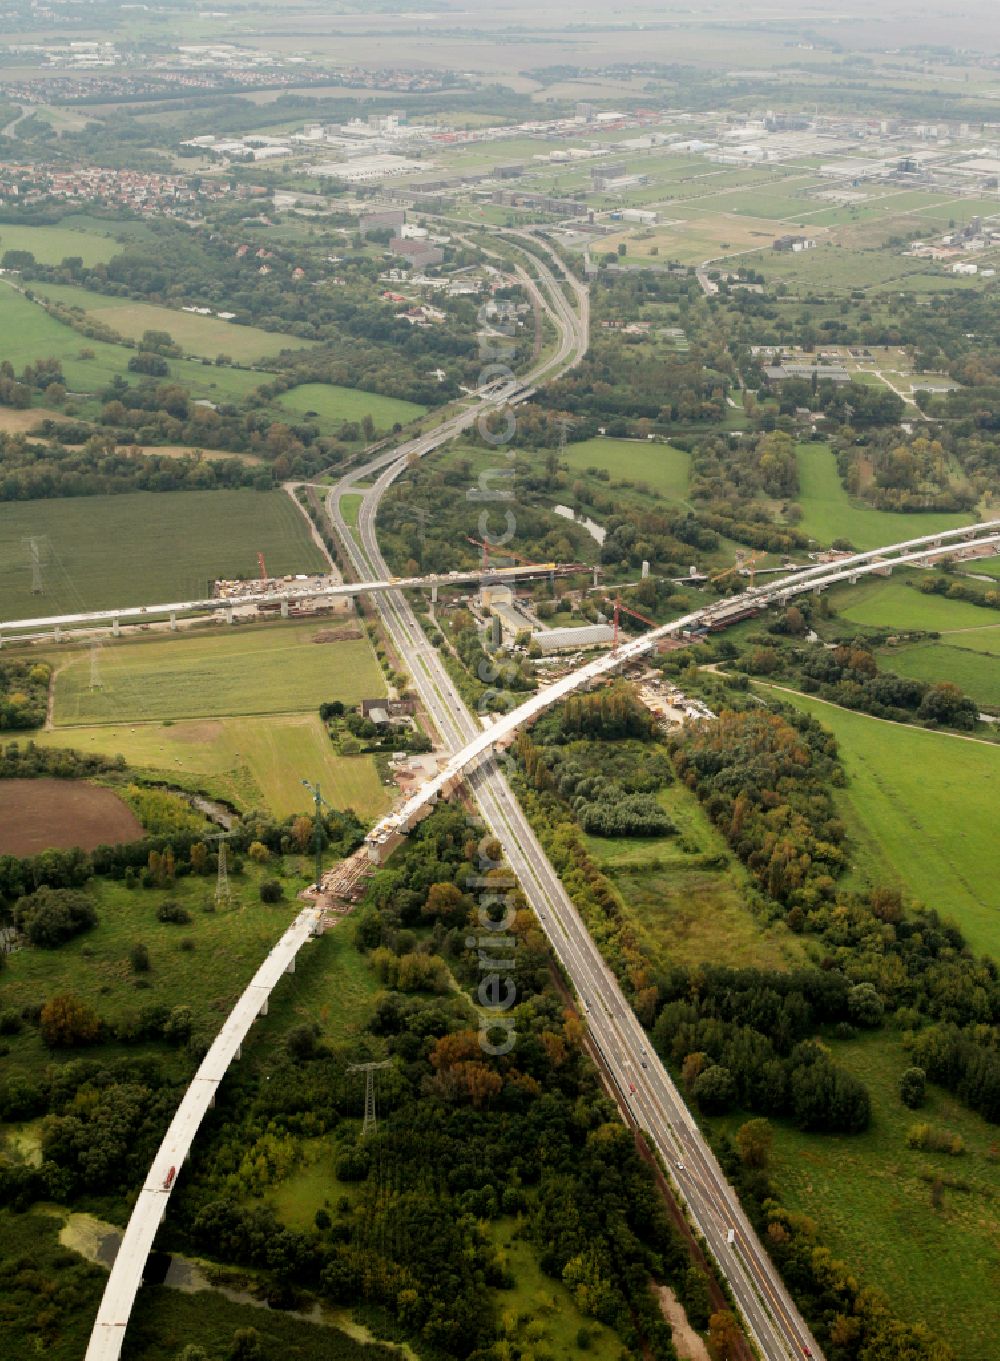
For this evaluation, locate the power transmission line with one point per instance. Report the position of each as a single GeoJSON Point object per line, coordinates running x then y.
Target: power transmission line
{"type": "Point", "coordinates": [369, 1070]}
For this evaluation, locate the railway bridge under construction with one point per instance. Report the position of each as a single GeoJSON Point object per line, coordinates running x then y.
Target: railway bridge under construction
{"type": "Point", "coordinates": [647, 1105]}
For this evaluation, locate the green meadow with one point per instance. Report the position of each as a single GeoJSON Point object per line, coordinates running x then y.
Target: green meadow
{"type": "Point", "coordinates": [894, 602]}
{"type": "Point", "coordinates": [664, 469]}
{"type": "Point", "coordinates": [920, 808]}
{"type": "Point", "coordinates": [828, 512]}
{"type": "Point", "coordinates": [101, 551]}
{"type": "Point", "coordinates": [195, 334]}
{"type": "Point", "coordinates": [246, 669]}
{"type": "Point", "coordinates": [333, 405]}
{"type": "Point", "coordinates": [28, 332]}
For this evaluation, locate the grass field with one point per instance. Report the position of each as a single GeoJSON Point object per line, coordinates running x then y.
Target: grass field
{"type": "Point", "coordinates": [975, 672]}
{"type": "Point", "coordinates": [203, 336]}
{"type": "Point", "coordinates": [663, 468]}
{"type": "Point", "coordinates": [27, 333]}
{"type": "Point", "coordinates": [694, 239]}
{"type": "Point", "coordinates": [350, 506]}
{"type": "Point", "coordinates": [892, 603]}
{"type": "Point", "coordinates": [229, 946]}
{"type": "Point", "coordinates": [332, 405]}
{"type": "Point", "coordinates": [989, 567]}
{"type": "Point", "coordinates": [685, 911]}
{"type": "Point", "coordinates": [870, 1196]}
{"type": "Point", "coordinates": [51, 245]}
{"type": "Point", "coordinates": [828, 513]}
{"type": "Point", "coordinates": [250, 762]}
{"type": "Point", "coordinates": [250, 669]}
{"type": "Point", "coordinates": [101, 551]}
{"type": "Point", "coordinates": [920, 809]}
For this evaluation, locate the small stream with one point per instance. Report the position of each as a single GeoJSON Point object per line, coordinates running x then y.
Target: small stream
{"type": "Point", "coordinates": [597, 532]}
{"type": "Point", "coordinates": [99, 1242]}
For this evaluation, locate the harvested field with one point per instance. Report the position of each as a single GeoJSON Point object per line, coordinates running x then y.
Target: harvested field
{"type": "Point", "coordinates": [41, 815]}
{"type": "Point", "coordinates": [16, 422]}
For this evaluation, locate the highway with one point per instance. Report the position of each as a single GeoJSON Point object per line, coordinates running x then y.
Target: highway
{"type": "Point", "coordinates": [646, 1088]}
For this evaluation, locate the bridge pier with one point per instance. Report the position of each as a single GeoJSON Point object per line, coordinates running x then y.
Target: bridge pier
{"type": "Point", "coordinates": [434, 594]}
{"type": "Point", "coordinates": [239, 1053]}
{"type": "Point", "coordinates": [263, 1008]}
{"type": "Point", "coordinates": [290, 966]}
{"type": "Point", "coordinates": [284, 609]}
{"type": "Point", "coordinates": [173, 621]}
{"type": "Point", "coordinates": [115, 627]}
{"type": "Point", "coordinates": [230, 616]}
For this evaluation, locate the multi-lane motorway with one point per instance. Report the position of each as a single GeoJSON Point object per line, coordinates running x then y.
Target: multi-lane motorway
{"type": "Point", "coordinates": [772, 1318]}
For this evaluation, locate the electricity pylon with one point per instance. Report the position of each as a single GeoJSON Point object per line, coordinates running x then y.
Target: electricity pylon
{"type": "Point", "coordinates": [95, 667]}
{"type": "Point", "coordinates": [223, 893]}
{"type": "Point", "coordinates": [369, 1070]}
{"type": "Point", "coordinates": [34, 547]}
{"type": "Point", "coordinates": [319, 835]}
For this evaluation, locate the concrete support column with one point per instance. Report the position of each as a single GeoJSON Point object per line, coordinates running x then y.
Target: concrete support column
{"type": "Point", "coordinates": [230, 617]}
{"type": "Point", "coordinates": [290, 966]}
{"type": "Point", "coordinates": [173, 621]}
{"type": "Point", "coordinates": [284, 609]}
{"type": "Point", "coordinates": [57, 634]}
{"type": "Point", "coordinates": [115, 627]}
{"type": "Point", "coordinates": [263, 1009]}
{"type": "Point", "coordinates": [434, 594]}
{"type": "Point", "coordinates": [239, 1053]}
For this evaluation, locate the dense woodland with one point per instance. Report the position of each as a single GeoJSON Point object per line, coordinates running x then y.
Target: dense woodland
{"type": "Point", "coordinates": [24, 692]}
{"type": "Point", "coordinates": [849, 675]}
{"type": "Point", "coordinates": [751, 1040]}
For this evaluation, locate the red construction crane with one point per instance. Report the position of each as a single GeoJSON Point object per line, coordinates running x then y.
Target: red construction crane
{"type": "Point", "coordinates": [619, 607]}
{"type": "Point", "coordinates": [504, 553]}
{"type": "Point", "coordinates": [260, 567]}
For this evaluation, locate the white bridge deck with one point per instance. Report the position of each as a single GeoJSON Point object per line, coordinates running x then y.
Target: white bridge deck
{"type": "Point", "coordinates": [127, 614]}
{"type": "Point", "coordinates": [150, 1207]}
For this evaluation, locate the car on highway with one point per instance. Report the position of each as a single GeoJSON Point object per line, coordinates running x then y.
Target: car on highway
{"type": "Point", "coordinates": [631, 1087]}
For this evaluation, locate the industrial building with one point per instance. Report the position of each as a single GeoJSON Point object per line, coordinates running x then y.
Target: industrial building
{"type": "Point", "coordinates": [573, 639]}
